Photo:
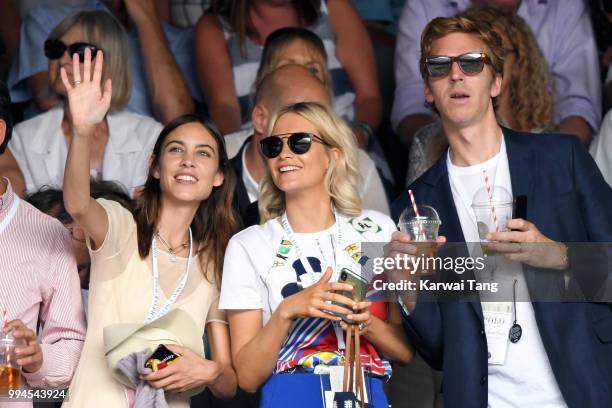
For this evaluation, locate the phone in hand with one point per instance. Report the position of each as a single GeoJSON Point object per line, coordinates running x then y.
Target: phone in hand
{"type": "Point", "coordinates": [519, 207]}
{"type": "Point", "coordinates": [161, 358]}
{"type": "Point", "coordinates": [360, 289]}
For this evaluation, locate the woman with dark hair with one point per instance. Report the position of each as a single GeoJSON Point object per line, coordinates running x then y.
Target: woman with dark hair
{"type": "Point", "coordinates": [228, 45]}
{"type": "Point", "coordinates": [155, 275]}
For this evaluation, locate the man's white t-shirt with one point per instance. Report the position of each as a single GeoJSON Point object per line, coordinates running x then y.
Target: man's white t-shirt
{"type": "Point", "coordinates": [526, 378]}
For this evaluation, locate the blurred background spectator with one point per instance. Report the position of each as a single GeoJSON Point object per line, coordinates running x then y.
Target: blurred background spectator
{"type": "Point", "coordinates": [229, 43]}
{"type": "Point", "coordinates": [10, 23]}
{"type": "Point", "coordinates": [181, 13]}
{"type": "Point", "coordinates": [122, 143]}
{"type": "Point", "coordinates": [601, 15]}
{"type": "Point", "coordinates": [159, 87]}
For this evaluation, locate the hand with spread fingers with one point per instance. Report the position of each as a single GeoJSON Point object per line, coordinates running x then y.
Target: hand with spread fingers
{"type": "Point", "coordinates": [190, 371]}
{"type": "Point", "coordinates": [526, 244]}
{"type": "Point", "coordinates": [29, 356]}
{"type": "Point", "coordinates": [314, 301]}
{"type": "Point", "coordinates": [88, 101]}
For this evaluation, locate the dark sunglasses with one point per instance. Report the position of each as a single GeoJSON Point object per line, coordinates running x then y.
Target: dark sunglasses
{"type": "Point", "coordinates": [299, 143]}
{"type": "Point", "coordinates": [470, 63]}
{"type": "Point", "coordinates": [54, 49]}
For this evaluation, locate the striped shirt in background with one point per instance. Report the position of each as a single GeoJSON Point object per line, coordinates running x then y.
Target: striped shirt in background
{"type": "Point", "coordinates": [39, 284]}
{"type": "Point", "coordinates": [245, 68]}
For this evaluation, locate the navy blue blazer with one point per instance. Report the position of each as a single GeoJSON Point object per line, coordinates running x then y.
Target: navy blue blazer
{"type": "Point", "coordinates": [569, 201]}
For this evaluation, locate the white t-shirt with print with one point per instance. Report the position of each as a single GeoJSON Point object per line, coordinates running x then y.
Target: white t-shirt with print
{"type": "Point", "coordinates": [261, 263]}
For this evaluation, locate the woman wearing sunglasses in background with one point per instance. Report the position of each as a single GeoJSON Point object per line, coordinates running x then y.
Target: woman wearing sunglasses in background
{"type": "Point", "coordinates": [155, 274]}
{"type": "Point", "coordinates": [122, 142]}
{"type": "Point", "coordinates": [278, 276]}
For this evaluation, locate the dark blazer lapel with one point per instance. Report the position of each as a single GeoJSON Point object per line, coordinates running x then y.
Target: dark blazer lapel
{"type": "Point", "coordinates": [522, 162]}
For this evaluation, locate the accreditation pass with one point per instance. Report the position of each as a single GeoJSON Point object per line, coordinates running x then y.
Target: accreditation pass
{"type": "Point", "coordinates": [497, 321]}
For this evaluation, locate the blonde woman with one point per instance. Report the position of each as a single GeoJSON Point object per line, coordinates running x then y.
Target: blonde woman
{"type": "Point", "coordinates": [279, 276]}
{"type": "Point", "coordinates": [295, 45]}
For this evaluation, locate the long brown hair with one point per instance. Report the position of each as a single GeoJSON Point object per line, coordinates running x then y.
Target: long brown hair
{"type": "Point", "coordinates": [236, 13]}
{"type": "Point", "coordinates": [214, 222]}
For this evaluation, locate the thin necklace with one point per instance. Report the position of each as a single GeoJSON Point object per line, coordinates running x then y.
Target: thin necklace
{"type": "Point", "coordinates": [170, 249]}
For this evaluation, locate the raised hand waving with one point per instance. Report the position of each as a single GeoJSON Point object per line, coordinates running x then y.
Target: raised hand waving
{"type": "Point", "coordinates": [88, 102]}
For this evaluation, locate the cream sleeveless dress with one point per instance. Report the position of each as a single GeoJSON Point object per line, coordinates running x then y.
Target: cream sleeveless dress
{"type": "Point", "coordinates": [120, 291]}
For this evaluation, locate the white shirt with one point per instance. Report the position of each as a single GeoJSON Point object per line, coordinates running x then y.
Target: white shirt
{"type": "Point", "coordinates": [260, 262]}
{"type": "Point", "coordinates": [39, 146]}
{"type": "Point", "coordinates": [251, 186]}
{"type": "Point", "coordinates": [526, 378]}
{"type": "Point", "coordinates": [371, 188]}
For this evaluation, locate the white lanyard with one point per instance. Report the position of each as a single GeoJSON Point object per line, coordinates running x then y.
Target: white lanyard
{"type": "Point", "coordinates": [336, 245]}
{"type": "Point", "coordinates": [311, 276]}
{"type": "Point", "coordinates": [10, 214]}
{"type": "Point", "coordinates": [155, 313]}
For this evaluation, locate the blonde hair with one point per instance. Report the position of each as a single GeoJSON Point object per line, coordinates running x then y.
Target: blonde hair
{"type": "Point", "coordinates": [277, 44]}
{"type": "Point", "coordinates": [105, 32]}
{"type": "Point", "coordinates": [342, 178]}
{"type": "Point", "coordinates": [531, 89]}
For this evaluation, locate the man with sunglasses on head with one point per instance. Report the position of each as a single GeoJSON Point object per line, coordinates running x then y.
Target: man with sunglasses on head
{"type": "Point", "coordinates": [563, 355]}
{"type": "Point", "coordinates": [160, 59]}
{"type": "Point", "coordinates": [286, 85]}
{"type": "Point", "coordinates": [564, 33]}
{"type": "Point", "coordinates": [39, 286]}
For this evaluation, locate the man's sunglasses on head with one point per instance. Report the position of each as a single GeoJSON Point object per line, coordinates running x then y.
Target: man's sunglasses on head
{"type": "Point", "coordinates": [470, 63]}
{"type": "Point", "coordinates": [299, 143]}
{"type": "Point", "coordinates": [54, 49]}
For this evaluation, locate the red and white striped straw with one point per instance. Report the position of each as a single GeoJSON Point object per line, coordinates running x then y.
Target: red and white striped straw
{"type": "Point", "coordinates": [490, 193]}
{"type": "Point", "coordinates": [414, 206]}
{"type": "Point", "coordinates": [416, 211]}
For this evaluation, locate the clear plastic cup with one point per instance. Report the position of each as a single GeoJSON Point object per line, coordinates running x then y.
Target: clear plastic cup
{"type": "Point", "coordinates": [484, 207]}
{"type": "Point", "coordinates": [10, 371]}
{"type": "Point", "coordinates": [422, 229]}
